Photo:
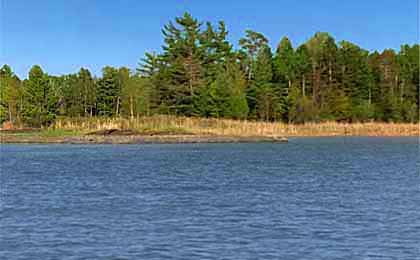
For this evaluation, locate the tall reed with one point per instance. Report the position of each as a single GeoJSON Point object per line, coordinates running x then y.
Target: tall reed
{"type": "Point", "coordinates": [228, 127]}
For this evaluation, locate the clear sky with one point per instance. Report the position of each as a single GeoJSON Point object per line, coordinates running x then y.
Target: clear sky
{"type": "Point", "coordinates": [63, 35]}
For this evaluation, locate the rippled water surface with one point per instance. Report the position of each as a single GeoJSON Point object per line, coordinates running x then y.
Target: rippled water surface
{"type": "Point", "coordinates": [313, 198]}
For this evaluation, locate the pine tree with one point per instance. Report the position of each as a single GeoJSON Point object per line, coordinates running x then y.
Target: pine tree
{"type": "Point", "coordinates": [356, 80]}
{"type": "Point", "coordinates": [285, 62]}
{"type": "Point", "coordinates": [182, 57]}
{"type": "Point", "coordinates": [408, 87]}
{"type": "Point", "coordinates": [285, 71]}
{"type": "Point", "coordinates": [235, 80]}
{"type": "Point", "coordinates": [41, 103]}
{"type": "Point", "coordinates": [303, 68]}
{"type": "Point", "coordinates": [389, 77]}
{"type": "Point", "coordinates": [227, 93]}
{"type": "Point", "coordinates": [199, 73]}
{"type": "Point", "coordinates": [251, 44]}
{"type": "Point", "coordinates": [108, 92]}
{"type": "Point", "coordinates": [260, 94]}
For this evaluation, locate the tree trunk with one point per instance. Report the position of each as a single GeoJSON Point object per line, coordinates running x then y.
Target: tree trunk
{"type": "Point", "coordinates": [118, 106]}
{"type": "Point", "coordinates": [10, 115]}
{"type": "Point", "coordinates": [303, 86]}
{"type": "Point", "coordinates": [85, 101]}
{"type": "Point", "coordinates": [315, 83]}
{"type": "Point", "coordinates": [131, 107]}
{"type": "Point", "coordinates": [402, 92]}
{"type": "Point", "coordinates": [329, 72]}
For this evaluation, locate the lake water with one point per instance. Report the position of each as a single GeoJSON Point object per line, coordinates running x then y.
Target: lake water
{"type": "Point", "coordinates": [313, 198]}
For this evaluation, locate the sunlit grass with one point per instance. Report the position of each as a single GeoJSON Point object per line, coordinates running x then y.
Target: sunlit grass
{"type": "Point", "coordinates": [56, 132]}
{"type": "Point", "coordinates": [48, 132]}
{"type": "Point", "coordinates": [206, 126]}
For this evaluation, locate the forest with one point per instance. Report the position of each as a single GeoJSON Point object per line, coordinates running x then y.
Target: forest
{"type": "Point", "coordinates": [199, 73]}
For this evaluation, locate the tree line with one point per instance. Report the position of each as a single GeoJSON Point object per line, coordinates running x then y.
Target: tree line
{"type": "Point", "coordinates": [198, 72]}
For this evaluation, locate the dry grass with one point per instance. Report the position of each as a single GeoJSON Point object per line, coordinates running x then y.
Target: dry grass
{"type": "Point", "coordinates": [228, 127]}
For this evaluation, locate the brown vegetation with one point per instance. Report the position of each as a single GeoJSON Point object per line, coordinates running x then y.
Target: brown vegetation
{"type": "Point", "coordinates": [238, 128]}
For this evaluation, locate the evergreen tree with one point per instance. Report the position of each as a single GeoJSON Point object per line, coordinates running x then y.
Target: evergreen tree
{"type": "Point", "coordinates": [285, 63]}
{"type": "Point", "coordinates": [41, 103]}
{"type": "Point", "coordinates": [356, 80]}
{"type": "Point", "coordinates": [303, 68]}
{"type": "Point", "coordinates": [285, 70]}
{"type": "Point", "coordinates": [227, 94]}
{"type": "Point", "coordinates": [153, 68]}
{"type": "Point", "coordinates": [198, 73]}
{"type": "Point", "coordinates": [389, 76]}
{"type": "Point", "coordinates": [108, 92]}
{"type": "Point", "coordinates": [182, 57]}
{"type": "Point", "coordinates": [236, 83]}
{"type": "Point", "coordinates": [408, 85]}
{"type": "Point", "coordinates": [260, 95]}
{"type": "Point", "coordinates": [251, 44]}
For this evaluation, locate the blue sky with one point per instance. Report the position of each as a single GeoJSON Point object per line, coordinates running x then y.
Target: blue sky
{"type": "Point", "coordinates": [64, 35]}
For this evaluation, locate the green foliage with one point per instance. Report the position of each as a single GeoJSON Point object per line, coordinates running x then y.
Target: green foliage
{"type": "Point", "coordinates": [10, 95]}
{"type": "Point", "coordinates": [136, 96]}
{"type": "Point", "coordinates": [198, 72]}
{"type": "Point", "coordinates": [251, 45]}
{"type": "Point", "coordinates": [87, 89]}
{"type": "Point", "coordinates": [41, 102]}
{"type": "Point", "coordinates": [260, 94]}
{"type": "Point", "coordinates": [301, 108]}
{"type": "Point", "coordinates": [285, 61]}
{"type": "Point", "coordinates": [363, 112]}
{"type": "Point", "coordinates": [355, 78]}
{"type": "Point", "coordinates": [108, 91]}
{"type": "Point", "coordinates": [338, 107]}
{"type": "Point", "coordinates": [226, 96]}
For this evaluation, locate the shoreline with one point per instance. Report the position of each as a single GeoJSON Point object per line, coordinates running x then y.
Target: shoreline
{"type": "Point", "coordinates": [138, 139]}
{"type": "Point", "coordinates": [164, 129]}
{"type": "Point", "coordinates": [163, 139]}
